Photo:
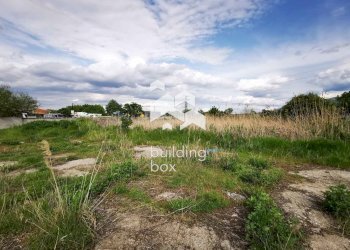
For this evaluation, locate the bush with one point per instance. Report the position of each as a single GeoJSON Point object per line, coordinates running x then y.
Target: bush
{"type": "Point", "coordinates": [126, 122]}
{"type": "Point", "coordinates": [228, 164]}
{"type": "Point", "coordinates": [343, 102]}
{"type": "Point", "coordinates": [306, 105]}
{"type": "Point", "coordinates": [258, 172]}
{"type": "Point", "coordinates": [258, 163]}
{"type": "Point", "coordinates": [266, 226]}
{"type": "Point", "coordinates": [337, 201]}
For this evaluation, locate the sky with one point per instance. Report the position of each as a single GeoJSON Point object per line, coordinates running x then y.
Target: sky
{"type": "Point", "coordinates": [243, 54]}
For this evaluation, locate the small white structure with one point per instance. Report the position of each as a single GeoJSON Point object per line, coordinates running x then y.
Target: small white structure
{"type": "Point", "coordinates": [53, 116]}
{"type": "Point", "coordinates": [84, 114]}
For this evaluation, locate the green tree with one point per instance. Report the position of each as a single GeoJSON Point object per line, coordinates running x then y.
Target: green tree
{"type": "Point", "coordinates": [343, 102]}
{"type": "Point", "coordinates": [66, 111]}
{"type": "Point", "coordinates": [228, 111]}
{"type": "Point", "coordinates": [13, 104]}
{"type": "Point", "coordinates": [214, 111]}
{"type": "Point", "coordinates": [133, 109]}
{"type": "Point", "coordinates": [88, 108]}
{"type": "Point", "coordinates": [113, 106]}
{"type": "Point", "coordinates": [306, 105]}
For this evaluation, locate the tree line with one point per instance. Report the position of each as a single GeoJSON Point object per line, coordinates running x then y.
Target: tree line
{"type": "Point", "coordinates": [15, 103]}
{"type": "Point", "coordinates": [113, 108]}
{"type": "Point", "coordinates": [300, 105]}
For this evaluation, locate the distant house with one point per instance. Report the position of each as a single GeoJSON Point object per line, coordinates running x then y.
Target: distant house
{"type": "Point", "coordinates": [37, 113]}
{"type": "Point", "coordinates": [40, 112]}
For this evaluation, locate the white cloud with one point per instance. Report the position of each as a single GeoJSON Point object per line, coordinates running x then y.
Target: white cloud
{"type": "Point", "coordinates": [335, 79]}
{"type": "Point", "coordinates": [94, 51]}
{"type": "Point", "coordinates": [115, 29]}
{"type": "Point", "coordinates": [262, 84]}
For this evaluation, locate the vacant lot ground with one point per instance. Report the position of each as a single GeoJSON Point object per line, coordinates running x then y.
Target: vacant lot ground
{"type": "Point", "coordinates": [85, 185]}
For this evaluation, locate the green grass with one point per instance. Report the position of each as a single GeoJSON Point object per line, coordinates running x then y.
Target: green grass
{"type": "Point", "coordinates": [204, 202]}
{"type": "Point", "coordinates": [32, 204]}
{"type": "Point", "coordinates": [53, 216]}
{"type": "Point", "coordinates": [116, 173]}
{"type": "Point", "coordinates": [63, 224]}
{"type": "Point", "coordinates": [317, 151]}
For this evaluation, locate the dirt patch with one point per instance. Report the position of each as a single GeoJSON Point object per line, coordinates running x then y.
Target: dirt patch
{"type": "Point", "coordinates": [167, 196]}
{"type": "Point", "coordinates": [147, 151]}
{"type": "Point", "coordinates": [329, 242]}
{"type": "Point", "coordinates": [5, 164]}
{"type": "Point", "coordinates": [304, 201]}
{"type": "Point", "coordinates": [14, 173]}
{"type": "Point", "coordinates": [75, 168]}
{"type": "Point", "coordinates": [19, 172]}
{"type": "Point", "coordinates": [127, 225]}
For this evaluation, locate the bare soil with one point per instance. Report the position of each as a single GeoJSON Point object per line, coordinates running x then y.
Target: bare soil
{"type": "Point", "coordinates": [126, 225]}
{"type": "Point", "coordinates": [303, 200]}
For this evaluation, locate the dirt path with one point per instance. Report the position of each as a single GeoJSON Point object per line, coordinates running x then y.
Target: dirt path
{"type": "Point", "coordinates": [304, 201]}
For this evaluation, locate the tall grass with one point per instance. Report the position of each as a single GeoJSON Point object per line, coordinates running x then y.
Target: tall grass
{"type": "Point", "coordinates": [325, 123]}
{"type": "Point", "coordinates": [64, 218]}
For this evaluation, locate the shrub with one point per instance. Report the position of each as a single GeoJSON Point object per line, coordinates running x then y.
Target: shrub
{"type": "Point", "coordinates": [266, 226]}
{"type": "Point", "coordinates": [343, 102]}
{"type": "Point", "coordinates": [337, 200]}
{"type": "Point", "coordinates": [258, 163]}
{"type": "Point", "coordinates": [228, 164]}
{"type": "Point", "coordinates": [126, 122]}
{"type": "Point", "coordinates": [306, 105]}
{"type": "Point", "coordinates": [250, 175]}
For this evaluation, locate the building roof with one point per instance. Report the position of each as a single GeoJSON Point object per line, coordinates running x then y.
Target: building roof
{"type": "Point", "coordinates": [40, 111]}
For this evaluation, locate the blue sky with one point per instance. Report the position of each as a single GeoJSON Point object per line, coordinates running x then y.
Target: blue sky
{"type": "Point", "coordinates": [229, 53]}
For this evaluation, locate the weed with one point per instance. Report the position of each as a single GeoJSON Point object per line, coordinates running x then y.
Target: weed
{"type": "Point", "coordinates": [117, 172]}
{"type": "Point", "coordinates": [121, 188]}
{"type": "Point", "coordinates": [228, 164]}
{"type": "Point", "coordinates": [266, 226]}
{"type": "Point", "coordinates": [179, 205]}
{"type": "Point", "coordinates": [61, 224]}
{"type": "Point", "coordinates": [139, 195]}
{"type": "Point", "coordinates": [204, 202]}
{"type": "Point", "coordinates": [337, 202]}
{"type": "Point", "coordinates": [258, 163]}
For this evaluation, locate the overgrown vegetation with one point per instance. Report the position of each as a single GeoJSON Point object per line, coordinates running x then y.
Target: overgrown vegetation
{"type": "Point", "coordinates": [337, 202]}
{"type": "Point", "coordinates": [58, 212]}
{"type": "Point", "coordinates": [266, 226]}
{"type": "Point", "coordinates": [126, 122]}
